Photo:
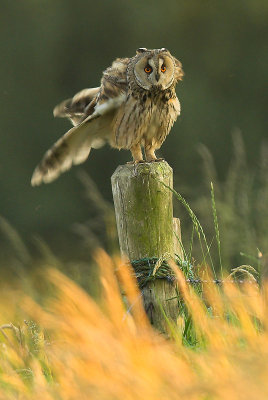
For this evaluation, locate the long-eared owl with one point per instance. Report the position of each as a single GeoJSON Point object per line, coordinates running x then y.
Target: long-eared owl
{"type": "Point", "coordinates": [134, 107]}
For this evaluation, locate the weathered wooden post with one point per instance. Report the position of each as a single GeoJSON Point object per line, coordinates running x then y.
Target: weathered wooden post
{"type": "Point", "coordinates": [144, 216]}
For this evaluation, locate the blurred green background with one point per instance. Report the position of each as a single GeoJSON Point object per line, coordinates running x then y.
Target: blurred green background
{"type": "Point", "coordinates": [50, 49]}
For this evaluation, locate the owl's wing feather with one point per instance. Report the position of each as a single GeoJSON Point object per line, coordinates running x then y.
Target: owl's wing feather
{"type": "Point", "coordinates": [114, 81]}
{"type": "Point", "coordinates": [74, 147]}
{"type": "Point", "coordinates": [78, 106]}
{"type": "Point", "coordinates": [71, 148]}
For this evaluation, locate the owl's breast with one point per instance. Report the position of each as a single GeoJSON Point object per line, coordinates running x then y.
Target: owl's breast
{"type": "Point", "coordinates": [164, 114]}
{"type": "Point", "coordinates": [143, 119]}
{"type": "Point", "coordinates": [130, 122]}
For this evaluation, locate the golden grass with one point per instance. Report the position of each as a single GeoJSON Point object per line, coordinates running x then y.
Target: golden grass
{"type": "Point", "coordinates": [82, 350]}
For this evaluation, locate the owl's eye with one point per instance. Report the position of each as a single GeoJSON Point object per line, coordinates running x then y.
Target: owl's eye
{"type": "Point", "coordinates": [148, 69]}
{"type": "Point", "coordinates": [163, 68]}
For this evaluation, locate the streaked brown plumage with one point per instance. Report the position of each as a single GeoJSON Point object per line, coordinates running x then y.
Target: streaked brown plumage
{"type": "Point", "coordinates": [135, 106]}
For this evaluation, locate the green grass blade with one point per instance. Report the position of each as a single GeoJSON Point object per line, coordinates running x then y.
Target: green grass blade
{"type": "Point", "coordinates": [216, 225]}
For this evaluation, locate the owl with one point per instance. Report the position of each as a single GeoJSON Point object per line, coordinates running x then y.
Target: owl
{"type": "Point", "coordinates": [134, 108]}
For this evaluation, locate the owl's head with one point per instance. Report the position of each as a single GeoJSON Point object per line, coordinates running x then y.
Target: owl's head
{"type": "Point", "coordinates": [156, 69]}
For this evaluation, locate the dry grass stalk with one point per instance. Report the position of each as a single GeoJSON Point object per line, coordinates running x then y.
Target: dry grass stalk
{"type": "Point", "coordinates": [91, 351]}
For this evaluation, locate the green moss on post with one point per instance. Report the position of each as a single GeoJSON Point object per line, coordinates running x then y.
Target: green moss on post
{"type": "Point", "coordinates": [144, 216]}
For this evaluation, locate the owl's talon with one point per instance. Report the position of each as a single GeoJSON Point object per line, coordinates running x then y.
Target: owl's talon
{"type": "Point", "coordinates": [135, 162]}
{"type": "Point", "coordinates": [157, 160]}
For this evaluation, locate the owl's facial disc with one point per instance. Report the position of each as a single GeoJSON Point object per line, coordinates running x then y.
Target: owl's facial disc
{"type": "Point", "coordinates": [156, 71]}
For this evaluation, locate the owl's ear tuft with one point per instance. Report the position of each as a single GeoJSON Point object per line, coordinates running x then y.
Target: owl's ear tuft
{"type": "Point", "coordinates": [141, 50]}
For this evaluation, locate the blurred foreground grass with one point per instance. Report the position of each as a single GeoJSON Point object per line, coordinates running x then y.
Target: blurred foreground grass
{"type": "Point", "coordinates": [70, 347]}
{"type": "Point", "coordinates": [59, 342]}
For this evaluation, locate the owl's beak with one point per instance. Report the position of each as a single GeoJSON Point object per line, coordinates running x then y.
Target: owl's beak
{"type": "Point", "coordinates": [155, 81]}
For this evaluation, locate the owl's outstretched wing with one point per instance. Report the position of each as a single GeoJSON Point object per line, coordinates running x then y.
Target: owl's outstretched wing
{"type": "Point", "coordinates": [95, 114]}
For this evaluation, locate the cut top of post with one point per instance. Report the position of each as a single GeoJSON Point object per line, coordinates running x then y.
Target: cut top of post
{"type": "Point", "coordinates": [144, 209]}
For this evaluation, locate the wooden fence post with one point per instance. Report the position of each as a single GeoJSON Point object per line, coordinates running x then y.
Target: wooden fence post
{"type": "Point", "coordinates": [144, 216]}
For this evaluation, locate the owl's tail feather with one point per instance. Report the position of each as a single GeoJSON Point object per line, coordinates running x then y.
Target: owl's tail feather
{"type": "Point", "coordinates": [71, 149]}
